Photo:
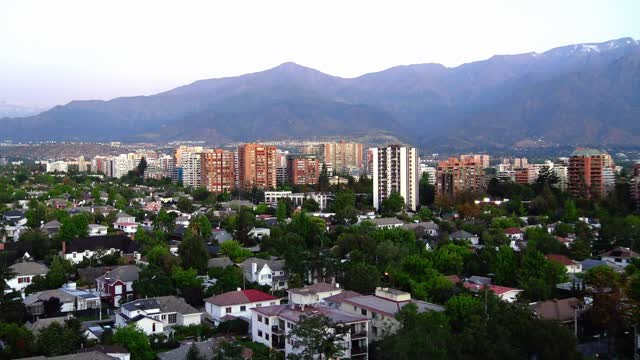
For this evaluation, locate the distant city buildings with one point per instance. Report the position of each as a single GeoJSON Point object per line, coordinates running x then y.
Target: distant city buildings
{"type": "Point", "coordinates": [303, 169]}
{"type": "Point", "coordinates": [395, 169]}
{"type": "Point", "coordinates": [57, 166]}
{"type": "Point", "coordinates": [344, 156]}
{"type": "Point", "coordinates": [257, 166]}
{"type": "Point", "coordinates": [218, 170]}
{"type": "Point", "coordinates": [590, 173]}
{"type": "Point", "coordinates": [455, 176]}
{"type": "Point", "coordinates": [482, 160]}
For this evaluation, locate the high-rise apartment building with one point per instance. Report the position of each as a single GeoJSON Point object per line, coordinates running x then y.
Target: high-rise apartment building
{"type": "Point", "coordinates": [303, 169]}
{"type": "Point", "coordinates": [218, 170]}
{"type": "Point", "coordinates": [590, 173]}
{"type": "Point", "coordinates": [257, 166]}
{"type": "Point", "coordinates": [191, 169]}
{"type": "Point", "coordinates": [344, 156]}
{"type": "Point", "coordinates": [180, 150]}
{"type": "Point", "coordinates": [455, 176]}
{"type": "Point", "coordinates": [395, 169]}
{"type": "Point", "coordinates": [480, 159]}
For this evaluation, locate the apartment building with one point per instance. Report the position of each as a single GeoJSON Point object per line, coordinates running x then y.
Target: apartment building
{"type": "Point", "coordinates": [455, 176]}
{"type": "Point", "coordinates": [343, 156]}
{"type": "Point", "coordinates": [191, 169]}
{"type": "Point", "coordinates": [590, 173]}
{"type": "Point", "coordinates": [218, 170]}
{"type": "Point", "coordinates": [303, 169]}
{"type": "Point", "coordinates": [257, 166]}
{"type": "Point", "coordinates": [482, 160]}
{"type": "Point", "coordinates": [395, 169]}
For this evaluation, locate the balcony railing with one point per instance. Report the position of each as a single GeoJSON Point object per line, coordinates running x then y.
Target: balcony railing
{"type": "Point", "coordinates": [358, 334]}
{"type": "Point", "coordinates": [277, 330]}
{"type": "Point", "coordinates": [358, 350]}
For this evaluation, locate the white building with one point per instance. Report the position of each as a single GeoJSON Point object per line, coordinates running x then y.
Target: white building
{"type": "Point", "coordinates": [154, 315]}
{"type": "Point", "coordinates": [237, 304]}
{"type": "Point", "coordinates": [431, 171]}
{"type": "Point", "coordinates": [265, 272]}
{"type": "Point", "coordinates": [97, 230]}
{"type": "Point", "coordinates": [272, 198]}
{"type": "Point", "coordinates": [57, 166]}
{"type": "Point", "coordinates": [395, 169]}
{"type": "Point", "coordinates": [191, 169]}
{"type": "Point", "coordinates": [24, 274]}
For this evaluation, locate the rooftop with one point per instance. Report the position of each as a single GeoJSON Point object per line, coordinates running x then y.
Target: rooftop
{"type": "Point", "coordinates": [315, 288]}
{"type": "Point", "coordinates": [240, 297]}
{"type": "Point", "coordinates": [294, 313]}
{"type": "Point", "coordinates": [29, 268]}
{"type": "Point", "coordinates": [586, 152]}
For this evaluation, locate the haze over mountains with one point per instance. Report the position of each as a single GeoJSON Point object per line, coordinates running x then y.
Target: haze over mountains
{"type": "Point", "coordinates": [587, 94]}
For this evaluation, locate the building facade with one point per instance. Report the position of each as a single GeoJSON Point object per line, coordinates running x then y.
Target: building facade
{"type": "Point", "coordinates": [303, 169]}
{"type": "Point", "coordinates": [257, 166]}
{"type": "Point", "coordinates": [395, 169]}
{"type": "Point", "coordinates": [343, 156]}
{"type": "Point", "coordinates": [455, 176]}
{"type": "Point", "coordinates": [218, 170]}
{"type": "Point", "coordinates": [590, 173]}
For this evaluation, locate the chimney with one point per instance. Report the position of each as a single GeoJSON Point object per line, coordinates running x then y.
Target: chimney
{"type": "Point", "coordinates": [254, 270]}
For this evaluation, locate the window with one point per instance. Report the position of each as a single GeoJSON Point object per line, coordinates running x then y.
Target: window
{"type": "Point", "coordinates": [172, 318]}
{"type": "Point", "coordinates": [289, 325]}
{"type": "Point", "coordinates": [374, 330]}
{"type": "Point", "coordinates": [363, 312]}
{"type": "Point", "coordinates": [272, 303]}
{"type": "Point", "coordinates": [228, 310]}
{"type": "Point", "coordinates": [258, 305]}
{"type": "Point", "coordinates": [259, 332]}
{"type": "Point", "coordinates": [374, 315]}
{"type": "Point", "coordinates": [243, 308]}
{"type": "Point", "coordinates": [259, 318]}
{"type": "Point", "coordinates": [266, 321]}
{"type": "Point", "coordinates": [266, 336]}
{"type": "Point", "coordinates": [153, 327]}
{"type": "Point", "coordinates": [355, 308]}
{"type": "Point", "coordinates": [164, 317]}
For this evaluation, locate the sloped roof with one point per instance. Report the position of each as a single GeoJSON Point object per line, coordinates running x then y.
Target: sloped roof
{"type": "Point", "coordinates": [621, 252]}
{"type": "Point", "coordinates": [93, 355]}
{"type": "Point", "coordinates": [561, 310]}
{"type": "Point", "coordinates": [175, 304]}
{"type": "Point", "coordinates": [29, 268]}
{"type": "Point", "coordinates": [45, 322]}
{"type": "Point", "coordinates": [315, 288]}
{"type": "Point", "coordinates": [512, 231]}
{"type": "Point", "coordinates": [461, 234]}
{"type": "Point", "coordinates": [387, 221]}
{"type": "Point", "coordinates": [339, 298]}
{"type": "Point", "coordinates": [220, 262]}
{"type": "Point", "coordinates": [294, 313]}
{"type": "Point", "coordinates": [120, 242]}
{"type": "Point", "coordinates": [124, 273]}
{"type": "Point", "coordinates": [240, 297]}
{"type": "Point", "coordinates": [274, 265]}
{"type": "Point", "coordinates": [561, 259]}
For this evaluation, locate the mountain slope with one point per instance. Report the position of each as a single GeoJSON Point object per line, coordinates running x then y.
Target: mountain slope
{"type": "Point", "coordinates": [585, 93]}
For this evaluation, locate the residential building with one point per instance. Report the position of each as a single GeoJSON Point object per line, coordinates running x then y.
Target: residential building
{"type": "Point", "coordinates": [565, 311]}
{"type": "Point", "coordinates": [71, 299]}
{"type": "Point", "coordinates": [482, 160]}
{"type": "Point", "coordinates": [387, 223]}
{"type": "Point", "coordinates": [265, 272]}
{"type": "Point", "coordinates": [430, 171]}
{"type": "Point", "coordinates": [455, 176]}
{"type": "Point", "coordinates": [218, 170]}
{"type": "Point", "coordinates": [472, 239]}
{"type": "Point", "coordinates": [117, 284]}
{"type": "Point", "coordinates": [343, 156]}
{"type": "Point", "coordinates": [57, 166]}
{"type": "Point", "coordinates": [257, 166]}
{"type": "Point", "coordinates": [272, 198]}
{"type": "Point", "coordinates": [97, 230]}
{"type": "Point", "coordinates": [590, 173]}
{"type": "Point", "coordinates": [192, 169]}
{"type": "Point", "coordinates": [380, 309]}
{"type": "Point", "coordinates": [573, 267]}
{"type": "Point", "coordinates": [237, 304]}
{"type": "Point", "coordinates": [502, 292]}
{"type": "Point", "coordinates": [24, 274]}
{"type": "Point", "coordinates": [303, 169]}
{"type": "Point", "coordinates": [154, 315]}
{"type": "Point", "coordinates": [395, 169]}
{"type": "Point", "coordinates": [78, 249]}
{"type": "Point", "coordinates": [620, 256]}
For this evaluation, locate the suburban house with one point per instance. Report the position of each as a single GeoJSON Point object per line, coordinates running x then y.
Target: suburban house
{"type": "Point", "coordinates": [126, 223]}
{"type": "Point", "coordinates": [42, 323]}
{"type": "Point", "coordinates": [620, 256]}
{"type": "Point", "coordinates": [271, 326]}
{"type": "Point", "coordinates": [220, 235]}
{"type": "Point", "coordinates": [237, 304]}
{"type": "Point", "coordinates": [588, 264]}
{"type": "Point", "coordinates": [573, 267]}
{"type": "Point", "coordinates": [465, 236]}
{"type": "Point", "coordinates": [504, 293]}
{"type": "Point", "coordinates": [422, 229]}
{"type": "Point", "coordinates": [265, 272]}
{"type": "Point", "coordinates": [71, 299]}
{"type": "Point", "coordinates": [51, 228]}
{"type": "Point", "coordinates": [157, 315]}
{"type": "Point", "coordinates": [97, 230]}
{"type": "Point", "coordinates": [514, 233]}
{"type": "Point", "coordinates": [259, 233]}
{"type": "Point", "coordinates": [24, 274]}
{"type": "Point", "coordinates": [380, 309]}
{"type": "Point", "coordinates": [79, 249]}
{"type": "Point", "coordinates": [117, 283]}
{"type": "Point", "coordinates": [565, 311]}
{"type": "Point", "coordinates": [219, 262]}
{"type": "Point", "coordinates": [387, 223]}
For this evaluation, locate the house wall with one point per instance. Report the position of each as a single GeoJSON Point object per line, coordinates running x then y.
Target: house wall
{"type": "Point", "coordinates": [218, 312]}
{"type": "Point", "coordinates": [14, 284]}
{"type": "Point", "coordinates": [189, 319]}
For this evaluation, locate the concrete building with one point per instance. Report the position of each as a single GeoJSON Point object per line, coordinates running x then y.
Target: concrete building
{"type": "Point", "coordinates": [57, 166]}
{"type": "Point", "coordinates": [590, 173]}
{"type": "Point", "coordinates": [343, 156]}
{"type": "Point", "coordinates": [429, 170]}
{"type": "Point", "coordinates": [480, 159]}
{"type": "Point", "coordinates": [303, 169]}
{"type": "Point", "coordinates": [218, 173]}
{"type": "Point", "coordinates": [191, 169]}
{"type": "Point", "coordinates": [272, 198]}
{"type": "Point", "coordinates": [455, 176]}
{"type": "Point", "coordinates": [257, 166]}
{"type": "Point", "coordinates": [395, 169]}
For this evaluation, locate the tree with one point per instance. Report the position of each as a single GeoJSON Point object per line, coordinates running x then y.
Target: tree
{"type": "Point", "coordinates": [362, 278]}
{"type": "Point", "coordinates": [60, 339]}
{"type": "Point", "coordinates": [164, 221]}
{"type": "Point", "coordinates": [136, 341]}
{"type": "Point", "coordinates": [310, 205]}
{"type": "Point", "coordinates": [142, 167]}
{"type": "Point", "coordinates": [17, 341]}
{"type": "Point", "coordinates": [160, 256]}
{"type": "Point", "coordinates": [192, 252]}
{"type": "Point", "coordinates": [201, 226]}
{"type": "Point", "coordinates": [36, 214]}
{"type": "Point", "coordinates": [188, 284]}
{"type": "Point", "coordinates": [234, 251]}
{"type": "Point", "coordinates": [344, 207]}
{"type": "Point", "coordinates": [153, 282]}
{"type": "Point", "coordinates": [323, 179]}
{"type": "Point", "coordinates": [392, 205]}
{"type": "Point", "coordinates": [185, 205]}
{"type": "Point", "coordinates": [246, 222]}
{"type": "Point", "coordinates": [52, 306]}
{"type": "Point", "coordinates": [194, 353]}
{"type": "Point", "coordinates": [317, 337]}
{"type": "Point", "coordinates": [281, 212]}
{"type": "Point", "coordinates": [38, 242]}
{"type": "Point", "coordinates": [426, 190]}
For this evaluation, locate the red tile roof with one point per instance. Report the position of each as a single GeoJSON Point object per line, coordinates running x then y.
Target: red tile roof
{"type": "Point", "coordinates": [561, 259]}
{"type": "Point", "coordinates": [454, 279]}
{"type": "Point", "coordinates": [496, 289]}
{"type": "Point", "coordinates": [512, 231]}
{"type": "Point", "coordinates": [240, 297]}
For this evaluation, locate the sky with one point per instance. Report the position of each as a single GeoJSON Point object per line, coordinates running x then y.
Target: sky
{"type": "Point", "coordinates": [52, 52]}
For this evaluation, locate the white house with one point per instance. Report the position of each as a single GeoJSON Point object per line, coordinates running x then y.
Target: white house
{"type": "Point", "coordinates": [573, 267]}
{"type": "Point", "coordinates": [237, 304]}
{"type": "Point", "coordinates": [24, 274]}
{"type": "Point", "coordinates": [126, 223]}
{"type": "Point", "coordinates": [154, 315]}
{"type": "Point", "coordinates": [620, 256]}
{"type": "Point", "coordinates": [259, 233]}
{"type": "Point", "coordinates": [71, 299]}
{"type": "Point", "coordinates": [473, 239]}
{"type": "Point", "coordinates": [123, 217]}
{"type": "Point", "coordinates": [97, 230]}
{"type": "Point", "coordinates": [504, 293]}
{"type": "Point", "coordinates": [514, 233]}
{"type": "Point", "coordinates": [387, 223]}
{"type": "Point", "coordinates": [265, 272]}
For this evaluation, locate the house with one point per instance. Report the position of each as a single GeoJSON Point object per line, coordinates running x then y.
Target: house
{"type": "Point", "coordinates": [589, 264]}
{"type": "Point", "coordinates": [70, 297]}
{"type": "Point", "coordinates": [271, 325]}
{"type": "Point", "coordinates": [259, 233]}
{"type": "Point", "coordinates": [221, 262]}
{"type": "Point", "coordinates": [573, 267]}
{"type": "Point", "coordinates": [424, 228]}
{"type": "Point", "coordinates": [51, 228]}
{"type": "Point", "coordinates": [620, 256]}
{"type": "Point", "coordinates": [92, 355]}
{"type": "Point", "coordinates": [514, 233]}
{"type": "Point", "coordinates": [123, 217]}
{"type": "Point", "coordinates": [79, 249]}
{"type": "Point", "coordinates": [24, 274]}
{"type": "Point", "coordinates": [114, 351]}
{"type": "Point", "coordinates": [126, 223]}
{"type": "Point", "coordinates": [380, 309]}
{"type": "Point", "coordinates": [387, 223]}
{"type": "Point", "coordinates": [465, 236]}
{"type": "Point", "coordinates": [183, 221]}
{"type": "Point", "coordinates": [563, 310]}
{"type": "Point", "coordinates": [154, 315]}
{"type": "Point", "coordinates": [42, 323]}
{"type": "Point", "coordinates": [220, 235]}
{"type": "Point", "coordinates": [312, 294]}
{"type": "Point", "coordinates": [504, 293]}
{"type": "Point", "coordinates": [237, 304]}
{"type": "Point", "coordinates": [117, 283]}
{"type": "Point", "coordinates": [97, 230]}
{"type": "Point", "coordinates": [14, 216]}
{"type": "Point", "coordinates": [265, 272]}
{"type": "Point", "coordinates": [205, 348]}
{"type": "Point", "coordinates": [153, 207]}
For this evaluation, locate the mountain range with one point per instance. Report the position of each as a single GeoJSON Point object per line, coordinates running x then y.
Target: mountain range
{"type": "Point", "coordinates": [584, 94]}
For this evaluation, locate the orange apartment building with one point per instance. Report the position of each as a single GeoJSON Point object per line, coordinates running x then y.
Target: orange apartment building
{"type": "Point", "coordinates": [343, 155]}
{"type": "Point", "coordinates": [257, 166]}
{"type": "Point", "coordinates": [455, 176]}
{"type": "Point", "coordinates": [303, 169]}
{"type": "Point", "coordinates": [590, 173]}
{"type": "Point", "coordinates": [218, 170]}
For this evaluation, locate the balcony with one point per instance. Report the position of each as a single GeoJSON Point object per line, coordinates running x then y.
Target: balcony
{"type": "Point", "coordinates": [358, 334]}
{"type": "Point", "coordinates": [275, 329]}
{"type": "Point", "coordinates": [358, 350]}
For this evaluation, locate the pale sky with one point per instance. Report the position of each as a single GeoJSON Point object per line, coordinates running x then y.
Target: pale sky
{"type": "Point", "coordinates": [52, 52]}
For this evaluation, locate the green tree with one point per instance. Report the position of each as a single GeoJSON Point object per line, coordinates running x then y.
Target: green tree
{"type": "Point", "coordinates": [317, 337]}
{"type": "Point", "coordinates": [18, 342]}
{"type": "Point", "coordinates": [427, 191]}
{"type": "Point", "coordinates": [392, 205]}
{"type": "Point", "coordinates": [153, 282]}
{"type": "Point", "coordinates": [281, 212]}
{"type": "Point", "coordinates": [201, 226]}
{"type": "Point", "coordinates": [36, 214]}
{"type": "Point", "coordinates": [194, 353]}
{"type": "Point", "coordinates": [344, 207]}
{"type": "Point", "coordinates": [234, 251]}
{"type": "Point", "coordinates": [61, 339]}
{"type": "Point", "coordinates": [142, 167]}
{"type": "Point", "coordinates": [310, 205]}
{"type": "Point", "coordinates": [362, 278]}
{"type": "Point", "coordinates": [246, 222]}
{"type": "Point", "coordinates": [136, 341]}
{"type": "Point", "coordinates": [193, 253]}
{"type": "Point", "coordinates": [185, 205]}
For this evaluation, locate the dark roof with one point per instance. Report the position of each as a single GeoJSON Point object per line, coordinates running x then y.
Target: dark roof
{"type": "Point", "coordinates": [339, 298]}
{"type": "Point", "coordinates": [561, 310]}
{"type": "Point", "coordinates": [294, 313]}
{"type": "Point", "coordinates": [120, 242]}
{"type": "Point", "coordinates": [90, 274]}
{"type": "Point", "coordinates": [108, 349]}
{"type": "Point", "coordinates": [220, 262]}
{"type": "Point", "coordinates": [315, 288]}
{"type": "Point", "coordinates": [93, 355]}
{"type": "Point", "coordinates": [142, 304]}
{"type": "Point", "coordinates": [29, 268]}
{"type": "Point", "coordinates": [124, 273]}
{"type": "Point", "coordinates": [561, 259]}
{"type": "Point", "coordinates": [175, 304]}
{"type": "Point", "coordinates": [461, 234]}
{"type": "Point", "coordinates": [621, 252]}
{"type": "Point", "coordinates": [274, 265]}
